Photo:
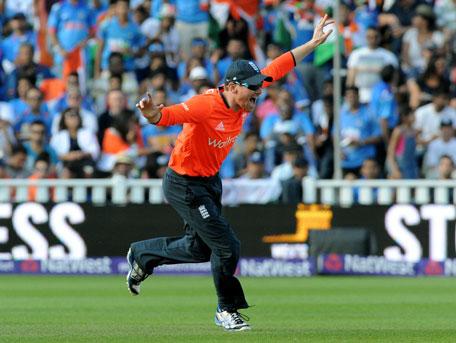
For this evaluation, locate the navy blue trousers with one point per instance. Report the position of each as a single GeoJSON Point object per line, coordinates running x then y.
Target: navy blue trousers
{"type": "Point", "coordinates": [208, 237]}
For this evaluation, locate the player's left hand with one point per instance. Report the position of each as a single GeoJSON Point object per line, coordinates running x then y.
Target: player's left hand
{"type": "Point", "coordinates": [319, 35]}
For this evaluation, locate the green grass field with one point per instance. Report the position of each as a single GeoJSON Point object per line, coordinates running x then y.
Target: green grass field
{"type": "Point", "coordinates": [181, 309]}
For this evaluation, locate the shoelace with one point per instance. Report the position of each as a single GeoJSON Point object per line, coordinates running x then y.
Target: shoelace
{"type": "Point", "coordinates": [239, 318]}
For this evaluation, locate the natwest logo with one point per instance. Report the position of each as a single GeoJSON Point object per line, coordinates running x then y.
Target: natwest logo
{"type": "Point", "coordinates": [219, 144]}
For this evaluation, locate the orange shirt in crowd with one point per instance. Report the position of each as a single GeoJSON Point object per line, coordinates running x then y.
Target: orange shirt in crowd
{"type": "Point", "coordinates": [113, 142]}
{"type": "Point", "coordinates": [210, 126]}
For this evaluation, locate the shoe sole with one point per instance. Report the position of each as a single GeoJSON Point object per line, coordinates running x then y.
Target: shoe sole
{"type": "Point", "coordinates": [130, 263]}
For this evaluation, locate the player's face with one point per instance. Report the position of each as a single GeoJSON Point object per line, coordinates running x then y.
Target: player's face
{"type": "Point", "coordinates": [247, 98]}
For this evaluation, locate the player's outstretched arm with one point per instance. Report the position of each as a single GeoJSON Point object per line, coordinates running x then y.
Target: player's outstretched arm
{"type": "Point", "coordinates": [319, 37]}
{"type": "Point", "coordinates": [149, 110]}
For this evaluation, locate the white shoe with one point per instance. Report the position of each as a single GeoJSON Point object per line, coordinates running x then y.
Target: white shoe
{"type": "Point", "coordinates": [231, 321]}
{"type": "Point", "coordinates": [135, 275]}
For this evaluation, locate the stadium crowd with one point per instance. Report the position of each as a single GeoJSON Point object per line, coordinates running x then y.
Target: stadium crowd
{"type": "Point", "coordinates": [72, 71]}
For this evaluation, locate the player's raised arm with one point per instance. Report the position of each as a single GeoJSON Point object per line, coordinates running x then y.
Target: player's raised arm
{"type": "Point", "coordinates": [149, 110]}
{"type": "Point", "coordinates": [319, 37]}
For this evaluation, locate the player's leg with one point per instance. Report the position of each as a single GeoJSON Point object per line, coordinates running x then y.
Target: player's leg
{"type": "Point", "coordinates": [217, 234]}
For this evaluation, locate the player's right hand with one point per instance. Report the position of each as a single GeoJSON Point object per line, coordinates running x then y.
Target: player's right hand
{"type": "Point", "coordinates": [149, 110]}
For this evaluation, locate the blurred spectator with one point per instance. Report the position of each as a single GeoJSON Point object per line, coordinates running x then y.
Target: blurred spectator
{"type": "Point", "coordinates": [399, 19]}
{"type": "Point", "coordinates": [192, 21]}
{"type": "Point", "coordinates": [324, 147]}
{"type": "Point", "coordinates": [62, 102]}
{"type": "Point", "coordinates": [123, 166]}
{"type": "Point", "coordinates": [198, 51]}
{"type": "Point", "coordinates": [19, 104]}
{"type": "Point", "coordinates": [402, 160]}
{"type": "Point", "coordinates": [416, 42]}
{"type": "Point", "coordinates": [20, 34]}
{"type": "Point", "coordinates": [160, 138]}
{"type": "Point", "coordinates": [37, 144]}
{"type": "Point", "coordinates": [77, 147]}
{"type": "Point", "coordinates": [7, 138]}
{"type": "Point", "coordinates": [428, 118]}
{"type": "Point", "coordinates": [446, 168]}
{"type": "Point", "coordinates": [300, 20]}
{"type": "Point", "coordinates": [284, 170]}
{"type": "Point", "coordinates": [155, 167]}
{"type": "Point", "coordinates": [445, 145]}
{"type": "Point", "coordinates": [359, 133]}
{"type": "Point", "coordinates": [198, 76]}
{"type": "Point", "coordinates": [16, 167]}
{"type": "Point", "coordinates": [41, 170]}
{"type": "Point", "coordinates": [36, 110]}
{"type": "Point", "coordinates": [235, 49]}
{"type": "Point", "coordinates": [292, 187]}
{"type": "Point", "coordinates": [119, 34]}
{"type": "Point", "coordinates": [101, 85]}
{"type": "Point", "coordinates": [255, 167]}
{"type": "Point", "coordinates": [74, 100]}
{"type": "Point", "coordinates": [3, 174]}
{"type": "Point", "coordinates": [124, 136]}
{"type": "Point", "coordinates": [26, 67]}
{"type": "Point", "coordinates": [164, 29]}
{"type": "Point", "coordinates": [365, 64]}
{"type": "Point", "coordinates": [422, 88]}
{"type": "Point", "coordinates": [243, 150]}
{"type": "Point", "coordinates": [159, 79]}
{"type": "Point", "coordinates": [71, 25]}
{"type": "Point", "coordinates": [116, 104]}
{"type": "Point", "coordinates": [269, 105]}
{"type": "Point", "coordinates": [369, 171]}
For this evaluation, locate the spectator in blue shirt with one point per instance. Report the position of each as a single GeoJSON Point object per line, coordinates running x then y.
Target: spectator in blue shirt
{"type": "Point", "coordinates": [359, 133]}
{"type": "Point", "coordinates": [20, 35]}
{"type": "Point", "coordinates": [38, 144]}
{"type": "Point", "coordinates": [71, 24]}
{"type": "Point", "coordinates": [36, 111]}
{"type": "Point", "coordinates": [120, 34]}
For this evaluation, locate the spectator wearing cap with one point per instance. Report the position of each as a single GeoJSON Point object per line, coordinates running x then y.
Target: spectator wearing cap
{"type": "Point", "coordinates": [292, 187]}
{"type": "Point", "coordinates": [359, 133]}
{"type": "Point", "coordinates": [444, 145]}
{"type": "Point", "coordinates": [71, 25]}
{"type": "Point", "coordinates": [119, 34]}
{"type": "Point", "coordinates": [428, 118]}
{"type": "Point", "coordinates": [123, 166]}
{"type": "Point", "coordinates": [365, 64]}
{"type": "Point", "coordinates": [156, 165]}
{"type": "Point", "coordinates": [422, 36]}
{"type": "Point", "coordinates": [16, 167]}
{"type": "Point", "coordinates": [20, 34]}
{"type": "Point", "coordinates": [255, 167]}
{"type": "Point", "coordinates": [198, 76]}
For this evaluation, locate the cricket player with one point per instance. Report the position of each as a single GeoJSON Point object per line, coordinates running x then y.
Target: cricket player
{"type": "Point", "coordinates": [191, 184]}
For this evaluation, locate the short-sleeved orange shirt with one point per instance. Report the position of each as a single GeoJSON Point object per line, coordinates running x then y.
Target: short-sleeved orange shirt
{"type": "Point", "coordinates": [210, 126]}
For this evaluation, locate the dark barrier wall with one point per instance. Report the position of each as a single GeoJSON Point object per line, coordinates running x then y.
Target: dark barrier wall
{"type": "Point", "coordinates": [82, 230]}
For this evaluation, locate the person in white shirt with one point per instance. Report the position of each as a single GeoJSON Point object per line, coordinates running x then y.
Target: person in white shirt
{"type": "Point", "coordinates": [444, 145]}
{"type": "Point", "coordinates": [429, 117]}
{"type": "Point", "coordinates": [89, 119]}
{"type": "Point", "coordinates": [365, 64]}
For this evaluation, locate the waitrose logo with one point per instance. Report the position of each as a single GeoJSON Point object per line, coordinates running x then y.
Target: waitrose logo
{"type": "Point", "coordinates": [221, 144]}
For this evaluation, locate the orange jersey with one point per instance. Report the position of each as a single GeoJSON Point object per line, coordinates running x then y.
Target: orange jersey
{"type": "Point", "coordinates": [210, 126]}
